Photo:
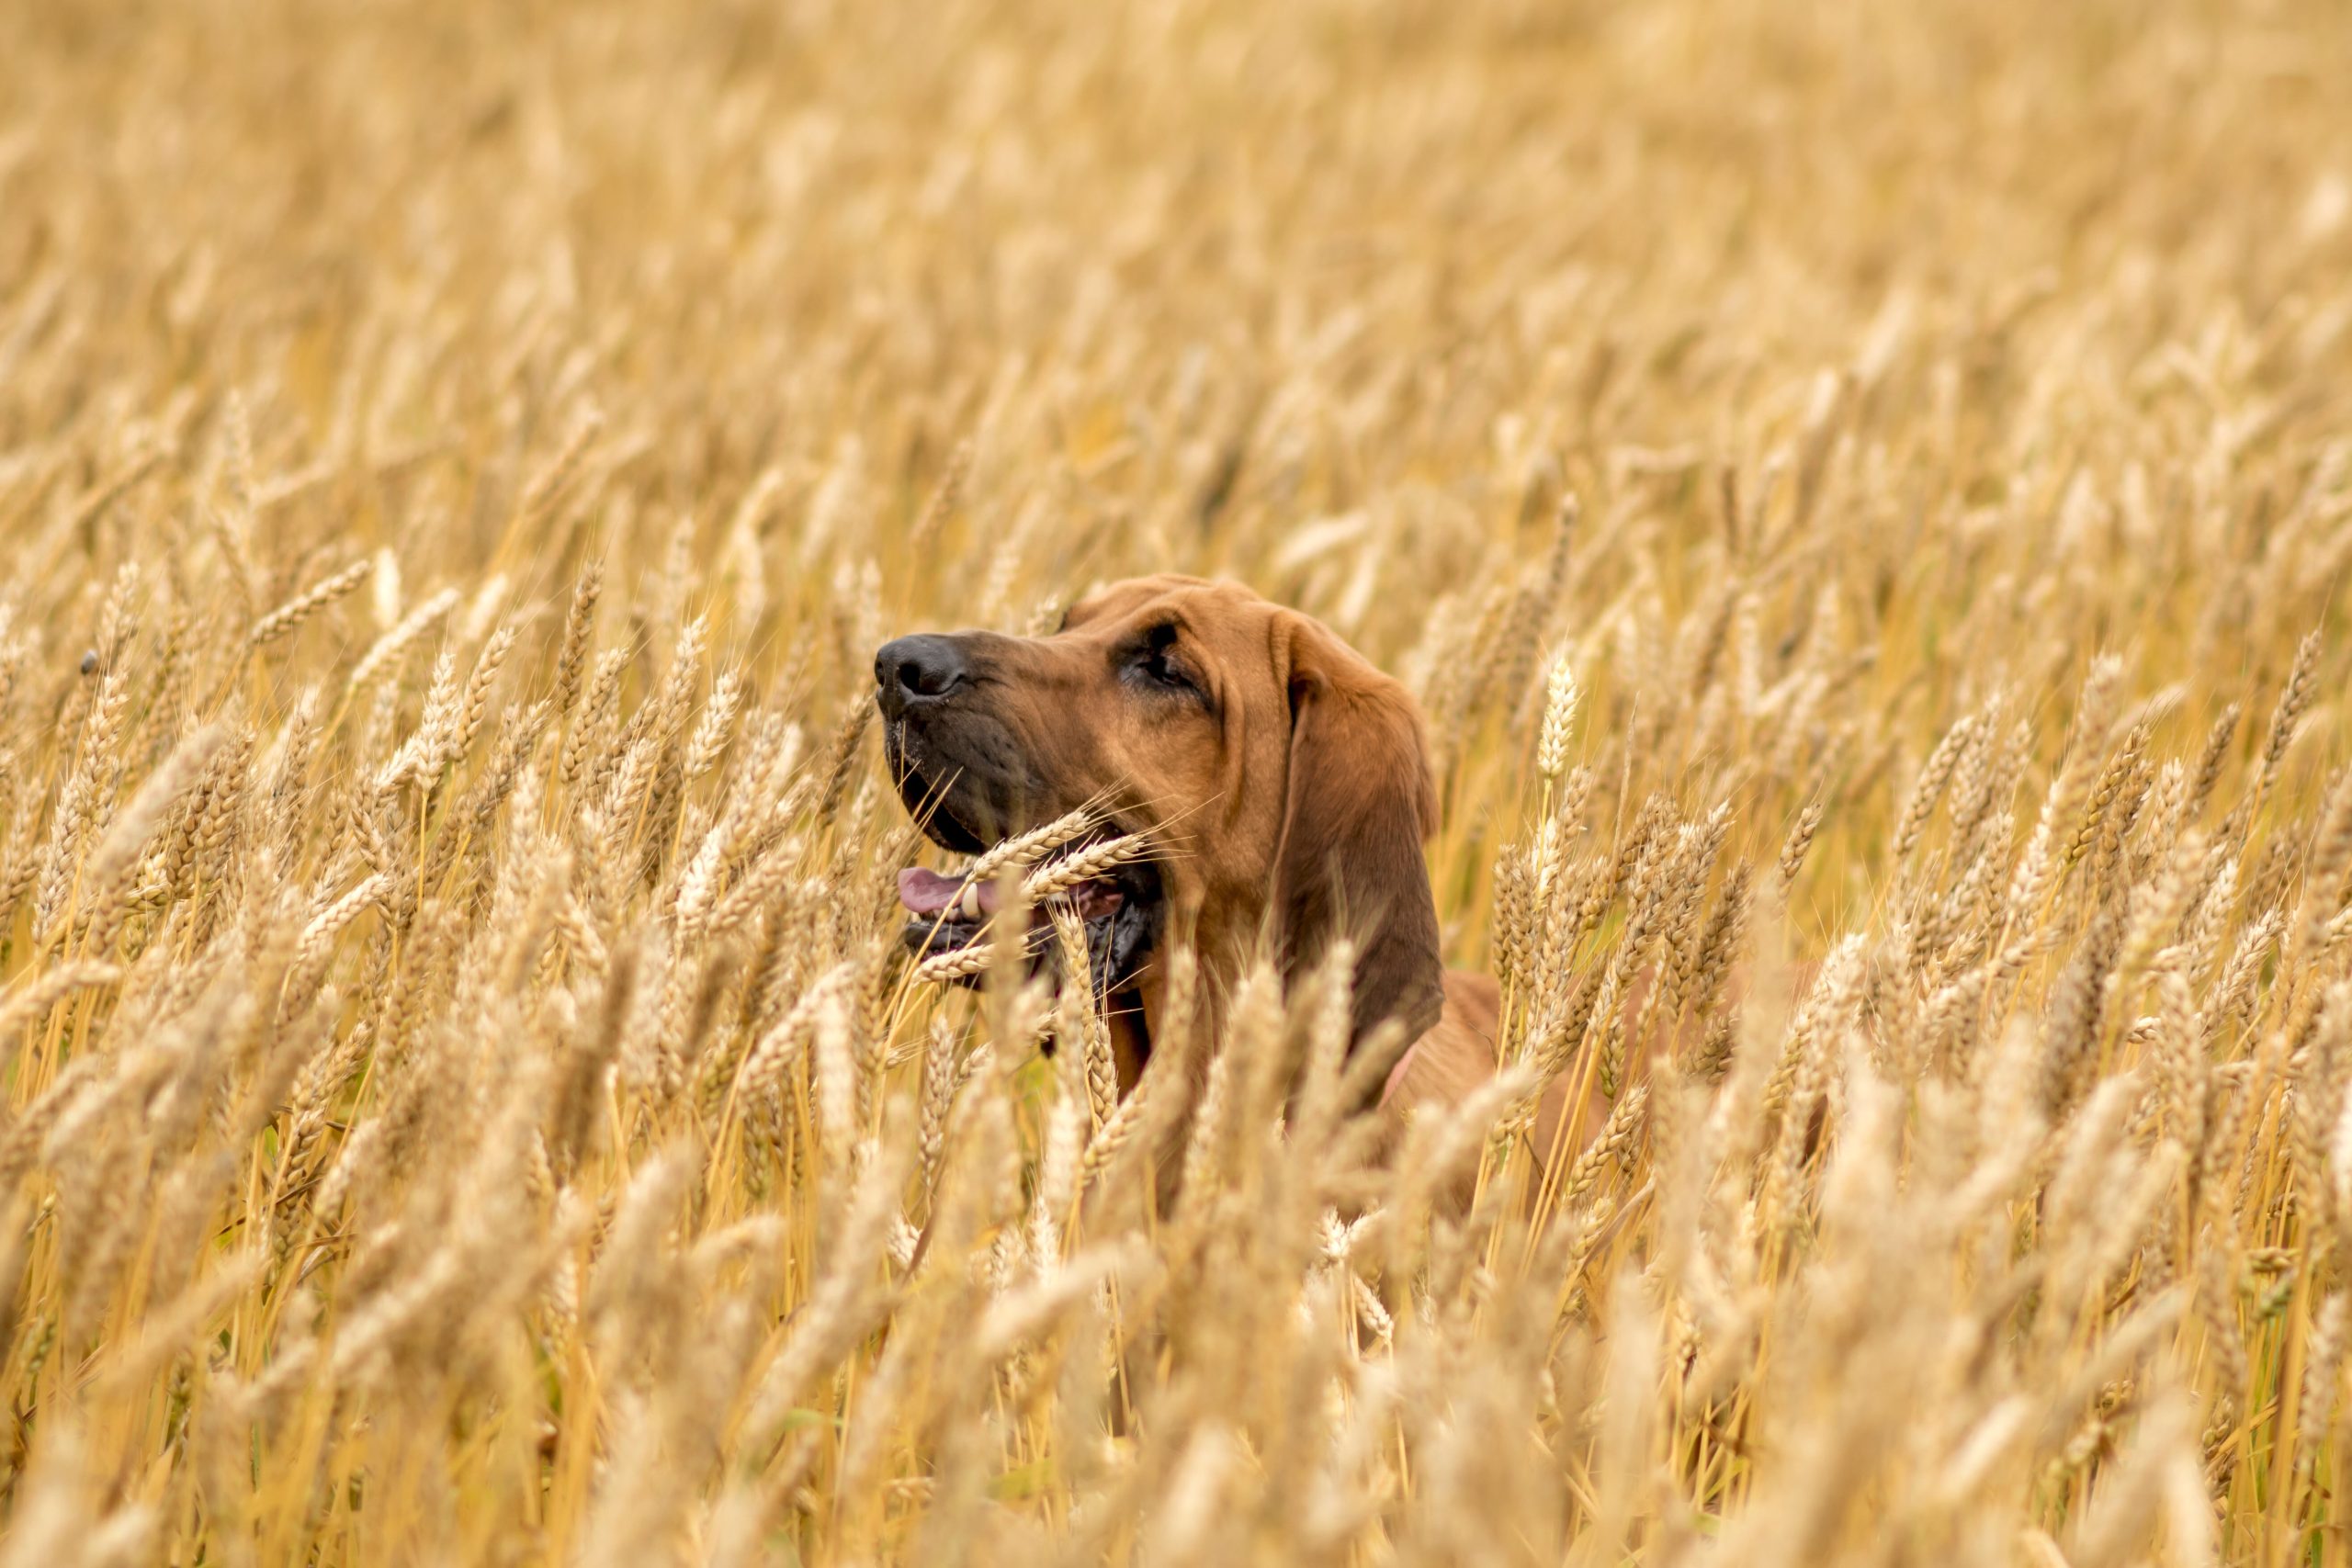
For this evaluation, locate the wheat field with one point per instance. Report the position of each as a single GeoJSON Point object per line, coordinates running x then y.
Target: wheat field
{"type": "Point", "coordinates": [1861, 491]}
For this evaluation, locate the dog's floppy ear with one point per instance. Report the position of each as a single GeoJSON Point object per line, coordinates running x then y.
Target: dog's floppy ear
{"type": "Point", "coordinates": [1356, 806]}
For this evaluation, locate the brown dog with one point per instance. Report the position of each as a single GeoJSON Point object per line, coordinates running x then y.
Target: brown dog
{"type": "Point", "coordinates": [1283, 780]}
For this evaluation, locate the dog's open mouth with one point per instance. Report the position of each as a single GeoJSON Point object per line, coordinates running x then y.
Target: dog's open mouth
{"type": "Point", "coordinates": [951, 912]}
{"type": "Point", "coordinates": [1120, 908]}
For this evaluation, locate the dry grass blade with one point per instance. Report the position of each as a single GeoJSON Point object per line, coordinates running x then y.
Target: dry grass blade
{"type": "Point", "coordinates": [1088, 864]}
{"type": "Point", "coordinates": [284, 620]}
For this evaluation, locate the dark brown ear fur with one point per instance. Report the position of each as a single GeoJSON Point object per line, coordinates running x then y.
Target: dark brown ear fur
{"type": "Point", "coordinates": [1357, 803]}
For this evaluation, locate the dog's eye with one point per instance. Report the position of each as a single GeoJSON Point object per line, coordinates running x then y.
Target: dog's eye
{"type": "Point", "coordinates": [1161, 667]}
{"type": "Point", "coordinates": [1159, 662]}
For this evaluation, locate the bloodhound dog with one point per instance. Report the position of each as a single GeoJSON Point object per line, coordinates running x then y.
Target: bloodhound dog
{"type": "Point", "coordinates": [1281, 780]}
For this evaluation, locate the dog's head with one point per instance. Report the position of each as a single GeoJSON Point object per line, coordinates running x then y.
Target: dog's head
{"type": "Point", "coordinates": [1280, 780]}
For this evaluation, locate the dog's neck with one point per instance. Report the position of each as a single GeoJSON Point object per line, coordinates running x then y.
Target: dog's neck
{"type": "Point", "coordinates": [1226, 952]}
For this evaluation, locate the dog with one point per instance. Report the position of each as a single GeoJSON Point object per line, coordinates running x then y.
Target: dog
{"type": "Point", "coordinates": [1283, 781]}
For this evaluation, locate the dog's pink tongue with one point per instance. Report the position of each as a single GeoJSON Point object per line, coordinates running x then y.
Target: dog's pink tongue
{"type": "Point", "coordinates": [925, 891]}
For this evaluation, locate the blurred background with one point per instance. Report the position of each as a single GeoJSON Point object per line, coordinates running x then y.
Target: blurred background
{"type": "Point", "coordinates": [1342, 299]}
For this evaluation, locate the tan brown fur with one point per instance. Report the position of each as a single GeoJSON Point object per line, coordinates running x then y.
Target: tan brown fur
{"type": "Point", "coordinates": [1288, 811]}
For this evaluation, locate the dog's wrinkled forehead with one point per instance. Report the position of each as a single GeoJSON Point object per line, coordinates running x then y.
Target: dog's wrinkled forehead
{"type": "Point", "coordinates": [1224, 618]}
{"type": "Point", "coordinates": [1117, 600]}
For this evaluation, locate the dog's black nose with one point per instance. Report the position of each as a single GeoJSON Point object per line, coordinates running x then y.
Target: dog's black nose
{"type": "Point", "coordinates": [916, 669]}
